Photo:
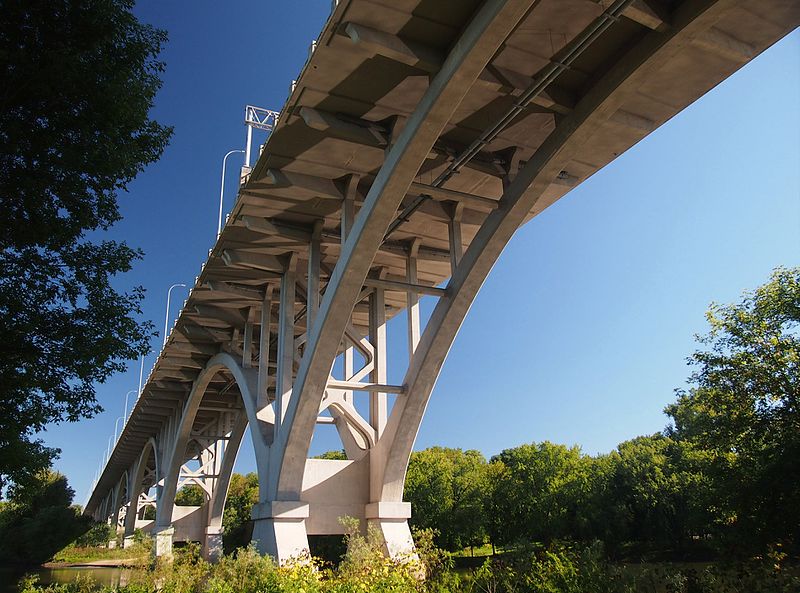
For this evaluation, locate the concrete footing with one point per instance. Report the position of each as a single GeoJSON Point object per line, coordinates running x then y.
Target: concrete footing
{"type": "Point", "coordinates": [391, 520]}
{"type": "Point", "coordinates": [127, 542]}
{"type": "Point", "coordinates": [163, 536]}
{"type": "Point", "coordinates": [279, 529]}
{"type": "Point", "coordinates": [212, 546]}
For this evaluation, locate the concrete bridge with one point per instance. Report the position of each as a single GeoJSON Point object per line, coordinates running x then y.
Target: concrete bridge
{"type": "Point", "coordinates": [418, 137]}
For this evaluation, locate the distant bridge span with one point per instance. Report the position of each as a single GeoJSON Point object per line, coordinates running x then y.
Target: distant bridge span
{"type": "Point", "coordinates": [419, 136]}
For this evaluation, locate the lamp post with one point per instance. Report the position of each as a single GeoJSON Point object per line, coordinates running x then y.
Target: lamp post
{"type": "Point", "coordinates": [127, 395]}
{"type": "Point", "coordinates": [166, 315]}
{"type": "Point", "coordinates": [116, 427]}
{"type": "Point", "coordinates": [222, 189]}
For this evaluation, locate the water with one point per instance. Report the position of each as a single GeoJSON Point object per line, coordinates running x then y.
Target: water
{"type": "Point", "coordinates": [103, 576]}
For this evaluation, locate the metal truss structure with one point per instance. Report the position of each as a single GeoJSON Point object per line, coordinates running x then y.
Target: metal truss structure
{"type": "Point", "coordinates": [416, 141]}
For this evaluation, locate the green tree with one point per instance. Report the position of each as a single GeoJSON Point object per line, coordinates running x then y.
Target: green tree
{"type": "Point", "coordinates": [190, 495]}
{"type": "Point", "coordinates": [538, 492]}
{"type": "Point", "coordinates": [654, 495]}
{"type": "Point", "coordinates": [446, 490]}
{"type": "Point", "coordinates": [242, 495]}
{"type": "Point", "coordinates": [77, 83]}
{"type": "Point", "coordinates": [743, 409]}
{"type": "Point", "coordinates": [39, 520]}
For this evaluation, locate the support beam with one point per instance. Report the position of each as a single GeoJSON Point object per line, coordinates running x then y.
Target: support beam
{"type": "Point", "coordinates": [384, 284]}
{"type": "Point", "coordinates": [371, 387]}
{"type": "Point", "coordinates": [259, 261]}
{"type": "Point", "coordinates": [283, 387]}
{"type": "Point", "coordinates": [454, 235]}
{"type": "Point", "coordinates": [378, 403]}
{"type": "Point", "coordinates": [395, 47]}
{"type": "Point", "coordinates": [450, 195]}
{"type": "Point", "coordinates": [244, 292]}
{"type": "Point", "coordinates": [316, 185]}
{"type": "Point", "coordinates": [353, 130]}
{"type": "Point", "coordinates": [314, 261]}
{"type": "Point", "coordinates": [262, 400]}
{"type": "Point", "coordinates": [271, 227]}
{"type": "Point", "coordinates": [412, 298]}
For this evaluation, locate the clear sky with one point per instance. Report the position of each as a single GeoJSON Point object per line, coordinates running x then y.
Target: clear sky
{"type": "Point", "coordinates": [581, 333]}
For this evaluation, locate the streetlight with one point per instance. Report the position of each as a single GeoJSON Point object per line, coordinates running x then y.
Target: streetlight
{"type": "Point", "coordinates": [126, 403]}
{"type": "Point", "coordinates": [169, 292]}
{"type": "Point", "coordinates": [116, 427]}
{"type": "Point", "coordinates": [222, 189]}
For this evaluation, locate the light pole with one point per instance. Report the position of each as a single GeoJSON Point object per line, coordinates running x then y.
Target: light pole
{"type": "Point", "coordinates": [166, 315]}
{"type": "Point", "coordinates": [141, 373]}
{"type": "Point", "coordinates": [222, 189]}
{"type": "Point", "coordinates": [116, 427]}
{"type": "Point", "coordinates": [127, 395]}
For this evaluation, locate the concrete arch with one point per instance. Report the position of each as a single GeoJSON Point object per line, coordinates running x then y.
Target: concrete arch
{"type": "Point", "coordinates": [259, 420]}
{"type": "Point", "coordinates": [523, 195]}
{"type": "Point", "coordinates": [135, 488]}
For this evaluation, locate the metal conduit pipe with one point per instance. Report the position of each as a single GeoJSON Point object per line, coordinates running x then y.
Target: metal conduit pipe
{"type": "Point", "coordinates": [570, 53]}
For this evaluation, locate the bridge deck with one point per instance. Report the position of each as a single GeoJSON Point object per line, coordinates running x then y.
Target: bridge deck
{"type": "Point", "coordinates": [368, 72]}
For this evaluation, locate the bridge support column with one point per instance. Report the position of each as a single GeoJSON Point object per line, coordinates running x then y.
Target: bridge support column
{"type": "Point", "coordinates": [391, 520]}
{"type": "Point", "coordinates": [163, 537]}
{"type": "Point", "coordinates": [212, 545]}
{"type": "Point", "coordinates": [279, 529]}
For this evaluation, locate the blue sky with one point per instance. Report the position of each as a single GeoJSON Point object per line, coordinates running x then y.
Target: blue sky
{"type": "Point", "coordinates": [581, 333]}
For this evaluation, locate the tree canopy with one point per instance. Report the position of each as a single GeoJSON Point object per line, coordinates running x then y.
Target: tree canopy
{"type": "Point", "coordinates": [77, 83]}
{"type": "Point", "coordinates": [723, 478]}
{"type": "Point", "coordinates": [743, 410]}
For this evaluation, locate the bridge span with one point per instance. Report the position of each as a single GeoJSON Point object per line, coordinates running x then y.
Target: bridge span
{"type": "Point", "coordinates": [418, 137]}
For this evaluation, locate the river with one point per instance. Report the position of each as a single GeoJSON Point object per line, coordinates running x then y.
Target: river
{"type": "Point", "coordinates": [102, 575]}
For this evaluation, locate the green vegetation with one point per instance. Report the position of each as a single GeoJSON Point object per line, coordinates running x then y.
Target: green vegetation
{"type": "Point", "coordinates": [79, 79]}
{"type": "Point", "coordinates": [554, 569]}
{"type": "Point", "coordinates": [722, 481]}
{"type": "Point", "coordinates": [38, 520]}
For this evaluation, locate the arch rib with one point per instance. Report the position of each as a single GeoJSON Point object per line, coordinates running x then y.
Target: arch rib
{"type": "Point", "coordinates": [523, 195]}
{"type": "Point", "coordinates": [247, 381]}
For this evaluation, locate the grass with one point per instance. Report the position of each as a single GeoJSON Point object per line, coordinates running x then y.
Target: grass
{"type": "Point", "coordinates": [138, 554]}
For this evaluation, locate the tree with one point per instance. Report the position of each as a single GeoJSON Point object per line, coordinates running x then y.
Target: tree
{"type": "Point", "coordinates": [242, 495]}
{"type": "Point", "coordinates": [191, 495]}
{"type": "Point", "coordinates": [446, 490]}
{"type": "Point", "coordinates": [39, 520]}
{"type": "Point", "coordinates": [77, 82]}
{"type": "Point", "coordinates": [743, 409]}
{"type": "Point", "coordinates": [537, 493]}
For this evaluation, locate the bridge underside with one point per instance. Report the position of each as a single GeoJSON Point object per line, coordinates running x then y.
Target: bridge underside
{"type": "Point", "coordinates": [418, 137]}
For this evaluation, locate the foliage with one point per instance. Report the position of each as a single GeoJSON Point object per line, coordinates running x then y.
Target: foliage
{"type": "Point", "coordinates": [78, 81]}
{"type": "Point", "coordinates": [446, 488]}
{"type": "Point", "coordinates": [743, 409]}
{"type": "Point", "coordinates": [537, 491]}
{"type": "Point", "coordinates": [38, 520]}
{"type": "Point", "coordinates": [99, 534]}
{"type": "Point", "coordinates": [136, 555]}
{"type": "Point", "coordinates": [191, 495]}
{"type": "Point", "coordinates": [242, 495]}
{"type": "Point", "coordinates": [339, 455]}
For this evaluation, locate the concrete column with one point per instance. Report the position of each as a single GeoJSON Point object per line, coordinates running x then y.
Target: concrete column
{"type": "Point", "coordinates": [127, 542]}
{"type": "Point", "coordinates": [391, 519]}
{"type": "Point", "coordinates": [212, 546]}
{"type": "Point", "coordinates": [164, 542]}
{"type": "Point", "coordinates": [279, 529]}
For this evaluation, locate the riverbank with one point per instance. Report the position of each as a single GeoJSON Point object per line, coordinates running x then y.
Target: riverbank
{"type": "Point", "coordinates": [107, 563]}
